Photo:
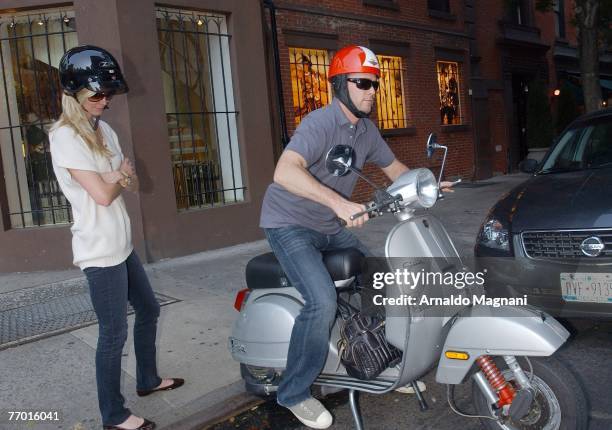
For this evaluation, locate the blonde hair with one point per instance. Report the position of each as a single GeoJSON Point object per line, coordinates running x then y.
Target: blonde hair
{"type": "Point", "coordinates": [73, 115]}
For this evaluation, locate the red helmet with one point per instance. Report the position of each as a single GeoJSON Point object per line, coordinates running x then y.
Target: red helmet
{"type": "Point", "coordinates": [354, 59]}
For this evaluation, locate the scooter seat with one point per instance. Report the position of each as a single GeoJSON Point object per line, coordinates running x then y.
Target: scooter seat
{"type": "Point", "coordinates": [264, 271]}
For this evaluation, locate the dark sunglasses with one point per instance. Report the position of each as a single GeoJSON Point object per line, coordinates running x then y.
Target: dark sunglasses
{"type": "Point", "coordinates": [99, 96]}
{"type": "Point", "coordinates": [364, 84]}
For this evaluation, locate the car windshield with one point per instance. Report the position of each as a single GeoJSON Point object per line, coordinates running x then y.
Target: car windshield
{"type": "Point", "coordinates": [588, 147]}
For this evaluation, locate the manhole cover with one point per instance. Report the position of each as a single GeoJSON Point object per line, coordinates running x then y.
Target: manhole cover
{"type": "Point", "coordinates": [33, 313]}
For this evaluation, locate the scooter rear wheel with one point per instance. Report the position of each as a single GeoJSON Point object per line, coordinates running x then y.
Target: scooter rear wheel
{"type": "Point", "coordinates": [559, 402]}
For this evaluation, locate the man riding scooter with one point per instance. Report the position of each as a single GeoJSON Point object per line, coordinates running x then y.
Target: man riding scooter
{"type": "Point", "coordinates": [304, 209]}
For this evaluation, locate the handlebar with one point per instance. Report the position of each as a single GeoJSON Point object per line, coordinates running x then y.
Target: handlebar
{"type": "Point", "coordinates": [382, 201]}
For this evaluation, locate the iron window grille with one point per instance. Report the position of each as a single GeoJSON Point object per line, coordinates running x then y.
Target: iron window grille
{"type": "Point", "coordinates": [311, 89]}
{"type": "Point", "coordinates": [309, 84]}
{"type": "Point", "coordinates": [200, 109]}
{"type": "Point", "coordinates": [31, 45]}
{"type": "Point", "coordinates": [390, 94]}
{"type": "Point", "coordinates": [450, 100]}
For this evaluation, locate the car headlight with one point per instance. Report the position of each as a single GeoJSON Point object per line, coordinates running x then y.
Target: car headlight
{"type": "Point", "coordinates": [494, 234]}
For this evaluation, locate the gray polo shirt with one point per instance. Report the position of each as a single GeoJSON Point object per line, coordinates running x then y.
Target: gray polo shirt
{"type": "Point", "coordinates": [318, 132]}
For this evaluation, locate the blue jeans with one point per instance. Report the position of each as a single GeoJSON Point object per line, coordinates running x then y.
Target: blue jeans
{"type": "Point", "coordinates": [110, 289]}
{"type": "Point", "coordinates": [298, 250]}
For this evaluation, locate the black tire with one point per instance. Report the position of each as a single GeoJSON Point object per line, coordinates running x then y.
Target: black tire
{"type": "Point", "coordinates": [256, 379]}
{"type": "Point", "coordinates": [553, 382]}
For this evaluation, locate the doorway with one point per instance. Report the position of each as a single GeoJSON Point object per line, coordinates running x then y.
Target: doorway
{"type": "Point", "coordinates": [518, 148]}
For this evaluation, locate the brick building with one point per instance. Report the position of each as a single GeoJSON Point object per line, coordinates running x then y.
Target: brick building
{"type": "Point", "coordinates": [514, 44]}
{"type": "Point", "coordinates": [493, 49]}
{"type": "Point", "coordinates": [203, 118]}
{"type": "Point", "coordinates": [202, 147]}
{"type": "Point", "coordinates": [424, 55]}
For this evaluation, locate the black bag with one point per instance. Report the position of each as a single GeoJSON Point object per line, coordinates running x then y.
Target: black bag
{"type": "Point", "coordinates": [363, 348]}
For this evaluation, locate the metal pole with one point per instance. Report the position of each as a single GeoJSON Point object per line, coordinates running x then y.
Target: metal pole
{"type": "Point", "coordinates": [269, 4]}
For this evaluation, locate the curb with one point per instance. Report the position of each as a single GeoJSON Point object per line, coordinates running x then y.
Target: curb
{"type": "Point", "coordinates": [213, 408]}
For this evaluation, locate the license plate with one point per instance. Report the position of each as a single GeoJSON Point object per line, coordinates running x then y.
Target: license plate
{"type": "Point", "coordinates": [586, 287]}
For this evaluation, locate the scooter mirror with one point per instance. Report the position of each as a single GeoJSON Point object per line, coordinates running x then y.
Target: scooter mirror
{"type": "Point", "coordinates": [339, 160]}
{"type": "Point", "coordinates": [432, 144]}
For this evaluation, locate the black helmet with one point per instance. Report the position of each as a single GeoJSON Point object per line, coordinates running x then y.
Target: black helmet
{"type": "Point", "coordinates": [92, 68]}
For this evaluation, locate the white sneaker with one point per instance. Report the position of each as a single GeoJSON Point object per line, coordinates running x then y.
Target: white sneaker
{"type": "Point", "coordinates": [312, 413]}
{"type": "Point", "coordinates": [407, 389]}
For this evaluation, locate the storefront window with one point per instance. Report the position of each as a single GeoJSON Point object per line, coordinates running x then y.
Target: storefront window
{"type": "Point", "coordinates": [309, 84]}
{"type": "Point", "coordinates": [200, 109]}
{"type": "Point", "coordinates": [390, 95]}
{"type": "Point", "coordinates": [32, 44]}
{"type": "Point", "coordinates": [311, 89]}
{"type": "Point", "coordinates": [450, 100]}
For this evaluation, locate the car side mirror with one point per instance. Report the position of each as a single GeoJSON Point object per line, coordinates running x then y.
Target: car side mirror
{"type": "Point", "coordinates": [528, 166]}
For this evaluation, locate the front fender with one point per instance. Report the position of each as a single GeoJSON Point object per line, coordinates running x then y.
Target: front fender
{"type": "Point", "coordinates": [480, 330]}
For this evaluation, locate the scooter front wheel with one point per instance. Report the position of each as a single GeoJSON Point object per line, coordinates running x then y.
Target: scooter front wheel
{"type": "Point", "coordinates": [558, 404]}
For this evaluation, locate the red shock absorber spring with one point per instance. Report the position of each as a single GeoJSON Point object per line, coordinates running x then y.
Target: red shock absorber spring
{"type": "Point", "coordinates": [496, 379]}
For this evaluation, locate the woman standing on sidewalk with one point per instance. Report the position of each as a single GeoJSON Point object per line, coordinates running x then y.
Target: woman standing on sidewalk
{"type": "Point", "coordinates": [92, 173]}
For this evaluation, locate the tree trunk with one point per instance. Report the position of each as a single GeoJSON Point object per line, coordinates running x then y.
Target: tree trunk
{"type": "Point", "coordinates": [588, 51]}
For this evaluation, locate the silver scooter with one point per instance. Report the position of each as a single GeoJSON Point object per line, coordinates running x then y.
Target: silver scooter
{"type": "Point", "coordinates": [505, 351]}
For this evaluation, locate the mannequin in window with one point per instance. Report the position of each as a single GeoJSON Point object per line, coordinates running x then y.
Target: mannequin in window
{"type": "Point", "coordinates": [311, 84]}
{"type": "Point", "coordinates": [38, 165]}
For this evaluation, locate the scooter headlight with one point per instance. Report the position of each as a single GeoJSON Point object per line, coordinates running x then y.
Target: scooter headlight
{"type": "Point", "coordinates": [418, 188]}
{"type": "Point", "coordinates": [427, 188]}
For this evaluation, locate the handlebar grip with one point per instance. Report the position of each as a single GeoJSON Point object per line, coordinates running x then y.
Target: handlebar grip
{"type": "Point", "coordinates": [341, 221]}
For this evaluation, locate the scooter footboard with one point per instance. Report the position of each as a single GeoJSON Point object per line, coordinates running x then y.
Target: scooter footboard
{"type": "Point", "coordinates": [484, 330]}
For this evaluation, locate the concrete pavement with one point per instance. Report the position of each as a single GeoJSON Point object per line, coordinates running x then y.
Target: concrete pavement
{"type": "Point", "coordinates": [57, 373]}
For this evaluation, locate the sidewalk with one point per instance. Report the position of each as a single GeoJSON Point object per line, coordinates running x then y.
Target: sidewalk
{"type": "Point", "coordinates": [57, 373]}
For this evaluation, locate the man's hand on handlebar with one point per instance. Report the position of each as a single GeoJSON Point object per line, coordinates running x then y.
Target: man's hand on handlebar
{"type": "Point", "coordinates": [346, 209]}
{"type": "Point", "coordinates": [447, 187]}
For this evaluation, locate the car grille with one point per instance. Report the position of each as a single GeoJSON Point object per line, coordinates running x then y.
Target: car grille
{"type": "Point", "coordinates": [563, 244]}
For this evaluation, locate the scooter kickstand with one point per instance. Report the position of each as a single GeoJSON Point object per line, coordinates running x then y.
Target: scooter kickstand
{"type": "Point", "coordinates": [422, 403]}
{"type": "Point", "coordinates": [354, 402]}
